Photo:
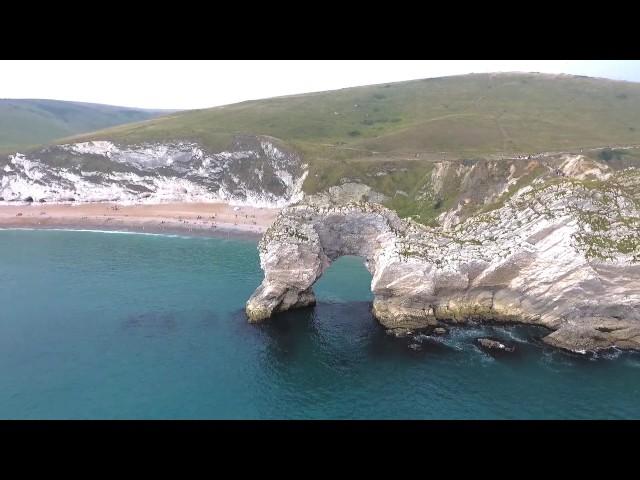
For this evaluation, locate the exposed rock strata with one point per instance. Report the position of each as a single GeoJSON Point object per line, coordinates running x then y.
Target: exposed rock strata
{"type": "Point", "coordinates": [255, 171]}
{"type": "Point", "coordinates": [345, 193]}
{"type": "Point", "coordinates": [561, 253]}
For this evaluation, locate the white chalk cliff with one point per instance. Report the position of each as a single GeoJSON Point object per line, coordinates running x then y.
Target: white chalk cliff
{"type": "Point", "coordinates": [255, 171]}
{"type": "Point", "coordinates": [563, 253]}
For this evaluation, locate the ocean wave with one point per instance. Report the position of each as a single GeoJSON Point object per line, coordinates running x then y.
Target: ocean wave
{"type": "Point", "coordinates": [89, 230]}
{"type": "Point", "coordinates": [609, 354]}
{"type": "Point", "coordinates": [451, 340]}
{"type": "Point", "coordinates": [511, 334]}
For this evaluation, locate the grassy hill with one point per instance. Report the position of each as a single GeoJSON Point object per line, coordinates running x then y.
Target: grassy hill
{"type": "Point", "coordinates": [390, 136]}
{"type": "Point", "coordinates": [468, 115]}
{"type": "Point", "coordinates": [24, 123]}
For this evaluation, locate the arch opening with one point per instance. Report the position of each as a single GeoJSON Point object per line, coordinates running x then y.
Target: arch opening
{"type": "Point", "coordinates": [345, 280]}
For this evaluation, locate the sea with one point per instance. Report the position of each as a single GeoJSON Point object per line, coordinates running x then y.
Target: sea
{"type": "Point", "coordinates": [108, 325]}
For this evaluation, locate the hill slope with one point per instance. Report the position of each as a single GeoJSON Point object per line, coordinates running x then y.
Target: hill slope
{"type": "Point", "coordinates": [436, 149]}
{"type": "Point", "coordinates": [475, 114]}
{"type": "Point", "coordinates": [33, 122]}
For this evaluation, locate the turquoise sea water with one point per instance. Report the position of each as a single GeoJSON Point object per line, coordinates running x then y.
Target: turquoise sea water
{"type": "Point", "coordinates": [108, 325]}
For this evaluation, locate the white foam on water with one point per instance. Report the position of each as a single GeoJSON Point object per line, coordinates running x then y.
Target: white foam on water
{"type": "Point", "coordinates": [449, 342]}
{"type": "Point", "coordinates": [485, 358]}
{"type": "Point", "coordinates": [459, 339]}
{"type": "Point", "coordinates": [555, 360]}
{"type": "Point", "coordinates": [608, 355]}
{"type": "Point", "coordinates": [632, 362]}
{"type": "Point", "coordinates": [509, 332]}
{"type": "Point", "coordinates": [421, 337]}
{"type": "Point", "coordinates": [87, 230]}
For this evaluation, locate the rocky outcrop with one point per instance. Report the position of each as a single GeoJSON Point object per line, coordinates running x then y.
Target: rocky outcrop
{"type": "Point", "coordinates": [465, 187]}
{"type": "Point", "coordinates": [562, 253]}
{"type": "Point", "coordinates": [255, 171]}
{"type": "Point", "coordinates": [345, 193]}
{"type": "Point", "coordinates": [492, 345]}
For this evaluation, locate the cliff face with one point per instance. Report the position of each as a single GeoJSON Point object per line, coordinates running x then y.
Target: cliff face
{"type": "Point", "coordinates": [563, 253]}
{"type": "Point", "coordinates": [255, 171]}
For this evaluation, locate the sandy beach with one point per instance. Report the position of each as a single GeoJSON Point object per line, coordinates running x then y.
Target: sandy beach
{"type": "Point", "coordinates": [211, 219]}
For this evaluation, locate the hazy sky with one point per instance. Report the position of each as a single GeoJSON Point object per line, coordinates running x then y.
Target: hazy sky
{"type": "Point", "coordinates": [207, 83]}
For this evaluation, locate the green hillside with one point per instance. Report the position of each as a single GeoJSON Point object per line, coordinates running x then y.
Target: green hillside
{"type": "Point", "coordinates": [474, 114]}
{"type": "Point", "coordinates": [25, 123]}
{"type": "Point", "coordinates": [389, 136]}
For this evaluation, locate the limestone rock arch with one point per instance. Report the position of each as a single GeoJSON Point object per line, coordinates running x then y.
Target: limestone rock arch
{"type": "Point", "coordinates": [410, 289]}
{"type": "Point", "coordinates": [302, 244]}
{"type": "Point", "coordinates": [487, 269]}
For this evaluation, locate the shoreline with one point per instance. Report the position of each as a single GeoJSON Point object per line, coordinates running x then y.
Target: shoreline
{"type": "Point", "coordinates": [184, 219]}
{"type": "Point", "coordinates": [133, 230]}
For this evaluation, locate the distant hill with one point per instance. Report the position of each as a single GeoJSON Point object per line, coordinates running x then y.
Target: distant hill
{"type": "Point", "coordinates": [29, 122]}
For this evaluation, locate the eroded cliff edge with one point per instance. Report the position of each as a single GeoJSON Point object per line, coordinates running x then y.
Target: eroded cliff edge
{"type": "Point", "coordinates": [563, 253]}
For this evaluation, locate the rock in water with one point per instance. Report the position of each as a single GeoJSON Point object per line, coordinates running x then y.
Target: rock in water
{"type": "Point", "coordinates": [490, 344]}
{"type": "Point", "coordinates": [440, 331]}
{"type": "Point", "coordinates": [274, 299]}
{"type": "Point", "coordinates": [562, 253]}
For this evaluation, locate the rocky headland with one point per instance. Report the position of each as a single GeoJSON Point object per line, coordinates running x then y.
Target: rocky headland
{"type": "Point", "coordinates": [562, 252]}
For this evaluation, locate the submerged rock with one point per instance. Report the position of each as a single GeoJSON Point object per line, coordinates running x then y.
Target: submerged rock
{"type": "Point", "coordinates": [490, 344]}
{"type": "Point", "coordinates": [439, 331]}
{"type": "Point", "coordinates": [564, 254]}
